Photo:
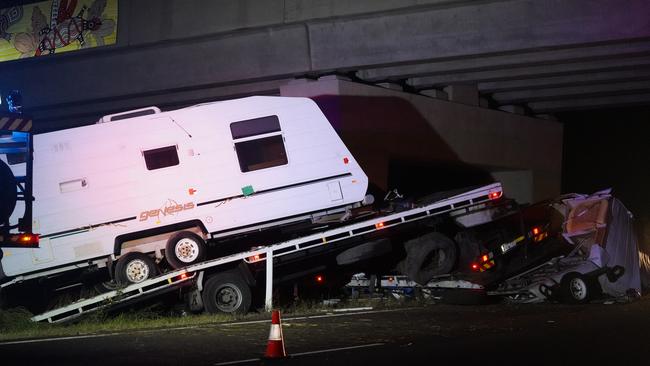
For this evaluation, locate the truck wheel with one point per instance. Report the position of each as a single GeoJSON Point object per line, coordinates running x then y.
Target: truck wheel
{"type": "Point", "coordinates": [106, 286]}
{"type": "Point", "coordinates": [427, 256]}
{"type": "Point", "coordinates": [576, 288]}
{"type": "Point", "coordinates": [183, 249]}
{"type": "Point", "coordinates": [226, 292]}
{"type": "Point", "coordinates": [134, 267]}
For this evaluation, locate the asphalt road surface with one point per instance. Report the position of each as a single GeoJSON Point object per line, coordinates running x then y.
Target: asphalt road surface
{"type": "Point", "coordinates": [548, 334]}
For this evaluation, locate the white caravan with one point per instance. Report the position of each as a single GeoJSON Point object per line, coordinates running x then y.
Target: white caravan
{"type": "Point", "coordinates": [143, 186]}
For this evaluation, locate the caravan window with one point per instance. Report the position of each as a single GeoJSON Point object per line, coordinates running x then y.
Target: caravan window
{"type": "Point", "coordinates": [161, 157]}
{"type": "Point", "coordinates": [256, 126]}
{"type": "Point", "coordinates": [261, 152]}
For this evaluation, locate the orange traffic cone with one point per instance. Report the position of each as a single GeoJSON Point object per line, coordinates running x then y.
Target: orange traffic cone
{"type": "Point", "coordinates": [275, 347]}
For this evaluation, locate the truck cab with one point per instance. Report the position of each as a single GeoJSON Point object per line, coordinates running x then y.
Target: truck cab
{"type": "Point", "coordinates": [16, 183]}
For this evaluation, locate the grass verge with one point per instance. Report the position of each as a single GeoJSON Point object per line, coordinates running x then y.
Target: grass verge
{"type": "Point", "coordinates": [16, 324]}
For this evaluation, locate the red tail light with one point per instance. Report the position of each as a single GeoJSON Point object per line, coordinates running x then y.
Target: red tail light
{"type": "Point", "coordinates": [379, 225]}
{"type": "Point", "coordinates": [495, 195]}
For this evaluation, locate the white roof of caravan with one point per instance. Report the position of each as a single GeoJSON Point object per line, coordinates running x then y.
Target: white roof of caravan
{"type": "Point", "coordinates": [228, 105]}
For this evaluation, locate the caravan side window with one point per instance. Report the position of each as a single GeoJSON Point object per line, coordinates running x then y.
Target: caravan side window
{"type": "Point", "coordinates": [259, 143]}
{"type": "Point", "coordinates": [161, 157]}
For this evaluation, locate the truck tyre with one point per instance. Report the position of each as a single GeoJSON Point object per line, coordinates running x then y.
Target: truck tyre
{"type": "Point", "coordinates": [576, 288]}
{"type": "Point", "coordinates": [364, 251]}
{"type": "Point", "coordinates": [226, 292]}
{"type": "Point", "coordinates": [134, 267]}
{"type": "Point", "coordinates": [183, 249]}
{"type": "Point", "coordinates": [106, 286]}
{"type": "Point", "coordinates": [427, 256]}
{"type": "Point", "coordinates": [8, 192]}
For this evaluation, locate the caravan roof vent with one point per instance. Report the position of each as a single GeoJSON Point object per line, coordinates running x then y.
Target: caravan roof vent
{"type": "Point", "coordinates": [130, 114]}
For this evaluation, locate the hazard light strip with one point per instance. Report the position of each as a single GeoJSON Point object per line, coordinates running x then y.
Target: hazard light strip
{"type": "Point", "coordinates": [22, 124]}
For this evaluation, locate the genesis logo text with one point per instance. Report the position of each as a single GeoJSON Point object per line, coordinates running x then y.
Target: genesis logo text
{"type": "Point", "coordinates": [170, 208]}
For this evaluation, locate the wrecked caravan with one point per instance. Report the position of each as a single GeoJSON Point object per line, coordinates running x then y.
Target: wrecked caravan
{"type": "Point", "coordinates": [602, 255]}
{"type": "Point", "coordinates": [143, 186]}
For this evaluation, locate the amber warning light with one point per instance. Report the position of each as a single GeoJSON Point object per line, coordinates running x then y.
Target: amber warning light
{"type": "Point", "coordinates": [20, 241]}
{"type": "Point", "coordinates": [256, 258]}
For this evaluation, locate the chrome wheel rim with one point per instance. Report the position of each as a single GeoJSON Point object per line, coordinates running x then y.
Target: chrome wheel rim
{"type": "Point", "coordinates": [137, 271]}
{"type": "Point", "coordinates": [186, 250]}
{"type": "Point", "coordinates": [578, 288]}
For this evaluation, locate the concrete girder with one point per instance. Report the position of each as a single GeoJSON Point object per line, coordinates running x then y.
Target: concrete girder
{"type": "Point", "coordinates": [243, 57]}
{"type": "Point", "coordinates": [522, 58]}
{"type": "Point", "coordinates": [156, 20]}
{"type": "Point", "coordinates": [565, 80]}
{"type": "Point", "coordinates": [516, 73]}
{"type": "Point", "coordinates": [302, 10]}
{"type": "Point", "coordinates": [166, 49]}
{"type": "Point", "coordinates": [552, 106]}
{"type": "Point", "coordinates": [520, 96]}
{"type": "Point", "coordinates": [502, 26]}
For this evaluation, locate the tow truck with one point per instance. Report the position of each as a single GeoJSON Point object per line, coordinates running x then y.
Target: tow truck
{"type": "Point", "coordinates": [420, 233]}
{"type": "Point", "coordinates": [226, 284]}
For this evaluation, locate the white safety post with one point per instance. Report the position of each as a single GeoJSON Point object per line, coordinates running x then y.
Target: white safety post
{"type": "Point", "coordinates": [269, 280]}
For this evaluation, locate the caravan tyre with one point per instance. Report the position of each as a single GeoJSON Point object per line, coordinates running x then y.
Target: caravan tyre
{"type": "Point", "coordinates": [576, 288]}
{"type": "Point", "coordinates": [183, 249]}
{"type": "Point", "coordinates": [226, 292]}
{"type": "Point", "coordinates": [133, 268]}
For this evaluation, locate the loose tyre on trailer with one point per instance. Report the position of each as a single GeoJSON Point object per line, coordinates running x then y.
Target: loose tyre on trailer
{"type": "Point", "coordinates": [427, 256]}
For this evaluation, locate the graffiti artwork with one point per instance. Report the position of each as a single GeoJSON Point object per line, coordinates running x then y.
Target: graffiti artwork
{"type": "Point", "coordinates": [56, 26]}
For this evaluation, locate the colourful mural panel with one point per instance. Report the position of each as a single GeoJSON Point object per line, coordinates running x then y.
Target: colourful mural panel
{"type": "Point", "coordinates": [56, 26]}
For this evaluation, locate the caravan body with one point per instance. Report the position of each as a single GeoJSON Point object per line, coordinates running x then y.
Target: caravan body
{"type": "Point", "coordinates": [216, 169]}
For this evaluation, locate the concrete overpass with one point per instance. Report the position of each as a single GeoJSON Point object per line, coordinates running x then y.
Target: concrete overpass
{"type": "Point", "coordinates": [527, 56]}
{"type": "Point", "coordinates": [518, 61]}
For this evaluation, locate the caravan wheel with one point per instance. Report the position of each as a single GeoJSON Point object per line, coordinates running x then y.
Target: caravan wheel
{"type": "Point", "coordinates": [184, 248]}
{"type": "Point", "coordinates": [133, 268]}
{"type": "Point", "coordinates": [577, 288]}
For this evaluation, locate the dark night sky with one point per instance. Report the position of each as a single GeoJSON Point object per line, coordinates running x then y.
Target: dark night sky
{"type": "Point", "coordinates": [610, 148]}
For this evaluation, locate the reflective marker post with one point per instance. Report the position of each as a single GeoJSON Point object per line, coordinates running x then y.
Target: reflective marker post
{"type": "Point", "coordinates": [269, 281]}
